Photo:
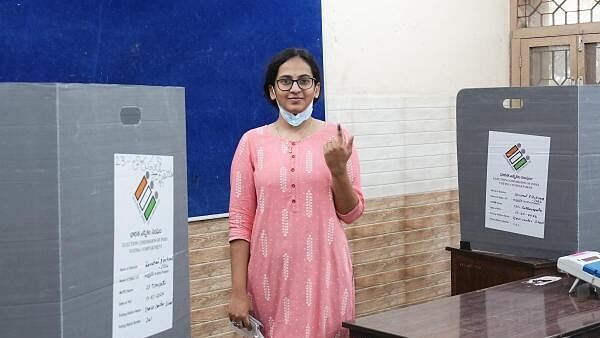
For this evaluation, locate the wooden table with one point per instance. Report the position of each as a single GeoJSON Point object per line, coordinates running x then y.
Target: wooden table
{"type": "Point", "coordinates": [514, 309]}
{"type": "Point", "coordinates": [473, 270]}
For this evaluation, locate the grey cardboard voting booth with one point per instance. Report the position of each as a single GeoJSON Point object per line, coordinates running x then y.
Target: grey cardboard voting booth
{"type": "Point", "coordinates": [58, 144]}
{"type": "Point", "coordinates": [565, 118]}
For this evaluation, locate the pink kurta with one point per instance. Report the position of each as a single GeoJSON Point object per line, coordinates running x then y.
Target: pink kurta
{"type": "Point", "coordinates": [300, 273]}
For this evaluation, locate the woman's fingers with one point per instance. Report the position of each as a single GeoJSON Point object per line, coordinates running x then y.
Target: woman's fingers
{"type": "Point", "coordinates": [239, 308]}
{"type": "Point", "coordinates": [240, 321]}
{"type": "Point", "coordinates": [337, 151]}
{"type": "Point", "coordinates": [341, 139]}
{"type": "Point", "coordinates": [340, 135]}
{"type": "Point", "coordinates": [350, 144]}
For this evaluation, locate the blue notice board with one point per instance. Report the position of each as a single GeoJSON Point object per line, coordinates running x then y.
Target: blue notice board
{"type": "Point", "coordinates": [216, 49]}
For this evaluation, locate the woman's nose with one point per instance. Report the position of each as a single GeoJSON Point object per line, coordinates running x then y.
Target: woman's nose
{"type": "Point", "coordinates": [295, 87]}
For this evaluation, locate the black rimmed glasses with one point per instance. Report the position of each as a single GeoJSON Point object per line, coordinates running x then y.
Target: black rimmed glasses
{"type": "Point", "coordinates": [286, 84]}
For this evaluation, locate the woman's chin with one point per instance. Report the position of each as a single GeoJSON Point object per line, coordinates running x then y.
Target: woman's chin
{"type": "Point", "coordinates": [295, 109]}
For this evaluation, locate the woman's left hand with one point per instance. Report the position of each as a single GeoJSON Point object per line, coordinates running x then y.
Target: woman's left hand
{"type": "Point", "coordinates": [337, 152]}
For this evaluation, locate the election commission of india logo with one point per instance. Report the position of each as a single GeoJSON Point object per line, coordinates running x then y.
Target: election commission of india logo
{"type": "Point", "coordinates": [146, 197]}
{"type": "Point", "coordinates": [516, 157]}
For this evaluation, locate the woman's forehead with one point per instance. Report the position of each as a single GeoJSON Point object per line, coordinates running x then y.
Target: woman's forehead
{"type": "Point", "coordinates": [295, 66]}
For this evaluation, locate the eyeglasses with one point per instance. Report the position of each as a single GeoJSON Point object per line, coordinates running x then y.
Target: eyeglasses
{"type": "Point", "coordinates": [286, 84]}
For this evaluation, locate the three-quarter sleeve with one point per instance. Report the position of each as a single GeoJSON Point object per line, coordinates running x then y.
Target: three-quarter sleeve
{"type": "Point", "coordinates": [353, 170]}
{"type": "Point", "coordinates": [242, 197]}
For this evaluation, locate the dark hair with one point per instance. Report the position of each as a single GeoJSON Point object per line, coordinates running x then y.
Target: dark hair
{"type": "Point", "coordinates": [279, 59]}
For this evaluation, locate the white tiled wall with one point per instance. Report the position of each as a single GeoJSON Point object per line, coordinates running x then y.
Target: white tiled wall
{"type": "Point", "coordinates": [406, 145]}
{"type": "Point", "coordinates": [392, 72]}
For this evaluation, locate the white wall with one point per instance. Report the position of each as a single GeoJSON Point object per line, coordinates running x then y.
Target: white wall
{"type": "Point", "coordinates": [392, 72]}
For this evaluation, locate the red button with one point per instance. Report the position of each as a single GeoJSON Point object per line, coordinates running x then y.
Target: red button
{"type": "Point", "coordinates": [293, 169]}
{"type": "Point", "coordinates": [293, 143]}
{"type": "Point", "coordinates": [293, 201]}
{"type": "Point", "coordinates": [293, 156]}
{"type": "Point", "coordinates": [293, 185]}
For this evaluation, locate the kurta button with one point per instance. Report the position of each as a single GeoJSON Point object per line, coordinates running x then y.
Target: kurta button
{"type": "Point", "coordinates": [293, 143]}
{"type": "Point", "coordinates": [293, 185]}
{"type": "Point", "coordinates": [293, 169]}
{"type": "Point", "coordinates": [293, 201]}
{"type": "Point", "coordinates": [293, 156]}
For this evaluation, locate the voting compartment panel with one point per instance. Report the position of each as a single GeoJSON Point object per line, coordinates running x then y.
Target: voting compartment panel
{"type": "Point", "coordinates": [526, 169]}
{"type": "Point", "coordinates": [58, 197]}
{"type": "Point", "coordinates": [29, 245]}
{"type": "Point", "coordinates": [589, 168]}
{"type": "Point", "coordinates": [88, 144]}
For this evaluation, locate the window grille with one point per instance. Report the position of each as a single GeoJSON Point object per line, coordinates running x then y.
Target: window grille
{"type": "Point", "coordinates": [539, 13]}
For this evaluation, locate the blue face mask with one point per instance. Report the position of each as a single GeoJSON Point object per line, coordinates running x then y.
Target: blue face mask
{"type": "Point", "coordinates": [296, 120]}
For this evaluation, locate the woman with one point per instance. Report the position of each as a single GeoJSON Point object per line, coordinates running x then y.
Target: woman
{"type": "Point", "coordinates": [293, 183]}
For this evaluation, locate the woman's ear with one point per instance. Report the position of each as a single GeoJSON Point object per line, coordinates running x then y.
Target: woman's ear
{"type": "Point", "coordinates": [272, 93]}
{"type": "Point", "coordinates": [317, 90]}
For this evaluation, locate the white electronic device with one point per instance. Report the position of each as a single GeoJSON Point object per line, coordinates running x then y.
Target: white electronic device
{"type": "Point", "coordinates": [584, 266]}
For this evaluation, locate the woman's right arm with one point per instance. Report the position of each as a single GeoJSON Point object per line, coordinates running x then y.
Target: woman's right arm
{"type": "Point", "coordinates": [242, 207]}
{"type": "Point", "coordinates": [239, 305]}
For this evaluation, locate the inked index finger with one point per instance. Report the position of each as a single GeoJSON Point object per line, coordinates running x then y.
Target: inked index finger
{"type": "Point", "coordinates": [339, 129]}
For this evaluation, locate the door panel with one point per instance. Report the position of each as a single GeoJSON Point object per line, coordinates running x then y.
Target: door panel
{"type": "Point", "coordinates": [589, 59]}
{"type": "Point", "coordinates": [549, 61]}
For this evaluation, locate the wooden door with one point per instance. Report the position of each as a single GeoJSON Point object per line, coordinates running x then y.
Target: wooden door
{"type": "Point", "coordinates": [549, 61]}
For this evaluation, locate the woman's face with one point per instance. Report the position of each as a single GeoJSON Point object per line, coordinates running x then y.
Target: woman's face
{"type": "Point", "coordinates": [294, 99]}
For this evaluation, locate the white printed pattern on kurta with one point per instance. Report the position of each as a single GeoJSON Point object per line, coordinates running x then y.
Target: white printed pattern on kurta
{"type": "Point", "coordinates": [309, 248]}
{"type": "Point", "coordinates": [238, 184]}
{"type": "Point", "coordinates": [243, 146]}
{"type": "Point", "coordinates": [261, 201]}
{"type": "Point", "coordinates": [325, 317]}
{"type": "Point", "coordinates": [284, 222]}
{"type": "Point", "coordinates": [330, 230]}
{"type": "Point", "coordinates": [271, 326]}
{"type": "Point", "coordinates": [284, 147]}
{"type": "Point", "coordinates": [237, 219]}
{"type": "Point", "coordinates": [344, 303]}
{"type": "Point", "coordinates": [286, 310]}
{"type": "Point", "coordinates": [286, 266]}
{"type": "Point", "coordinates": [309, 204]}
{"type": "Point", "coordinates": [260, 157]}
{"type": "Point", "coordinates": [309, 161]}
{"type": "Point", "coordinates": [283, 179]}
{"type": "Point", "coordinates": [264, 243]}
{"type": "Point", "coordinates": [266, 288]}
{"type": "Point", "coordinates": [308, 292]}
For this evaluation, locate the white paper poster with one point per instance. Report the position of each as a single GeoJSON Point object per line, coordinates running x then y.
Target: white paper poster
{"type": "Point", "coordinates": [143, 247]}
{"type": "Point", "coordinates": [517, 177]}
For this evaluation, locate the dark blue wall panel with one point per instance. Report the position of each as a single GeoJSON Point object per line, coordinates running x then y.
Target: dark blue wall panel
{"type": "Point", "coordinates": [216, 49]}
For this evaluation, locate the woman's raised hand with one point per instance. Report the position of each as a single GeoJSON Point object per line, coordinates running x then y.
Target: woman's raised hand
{"type": "Point", "coordinates": [337, 151]}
